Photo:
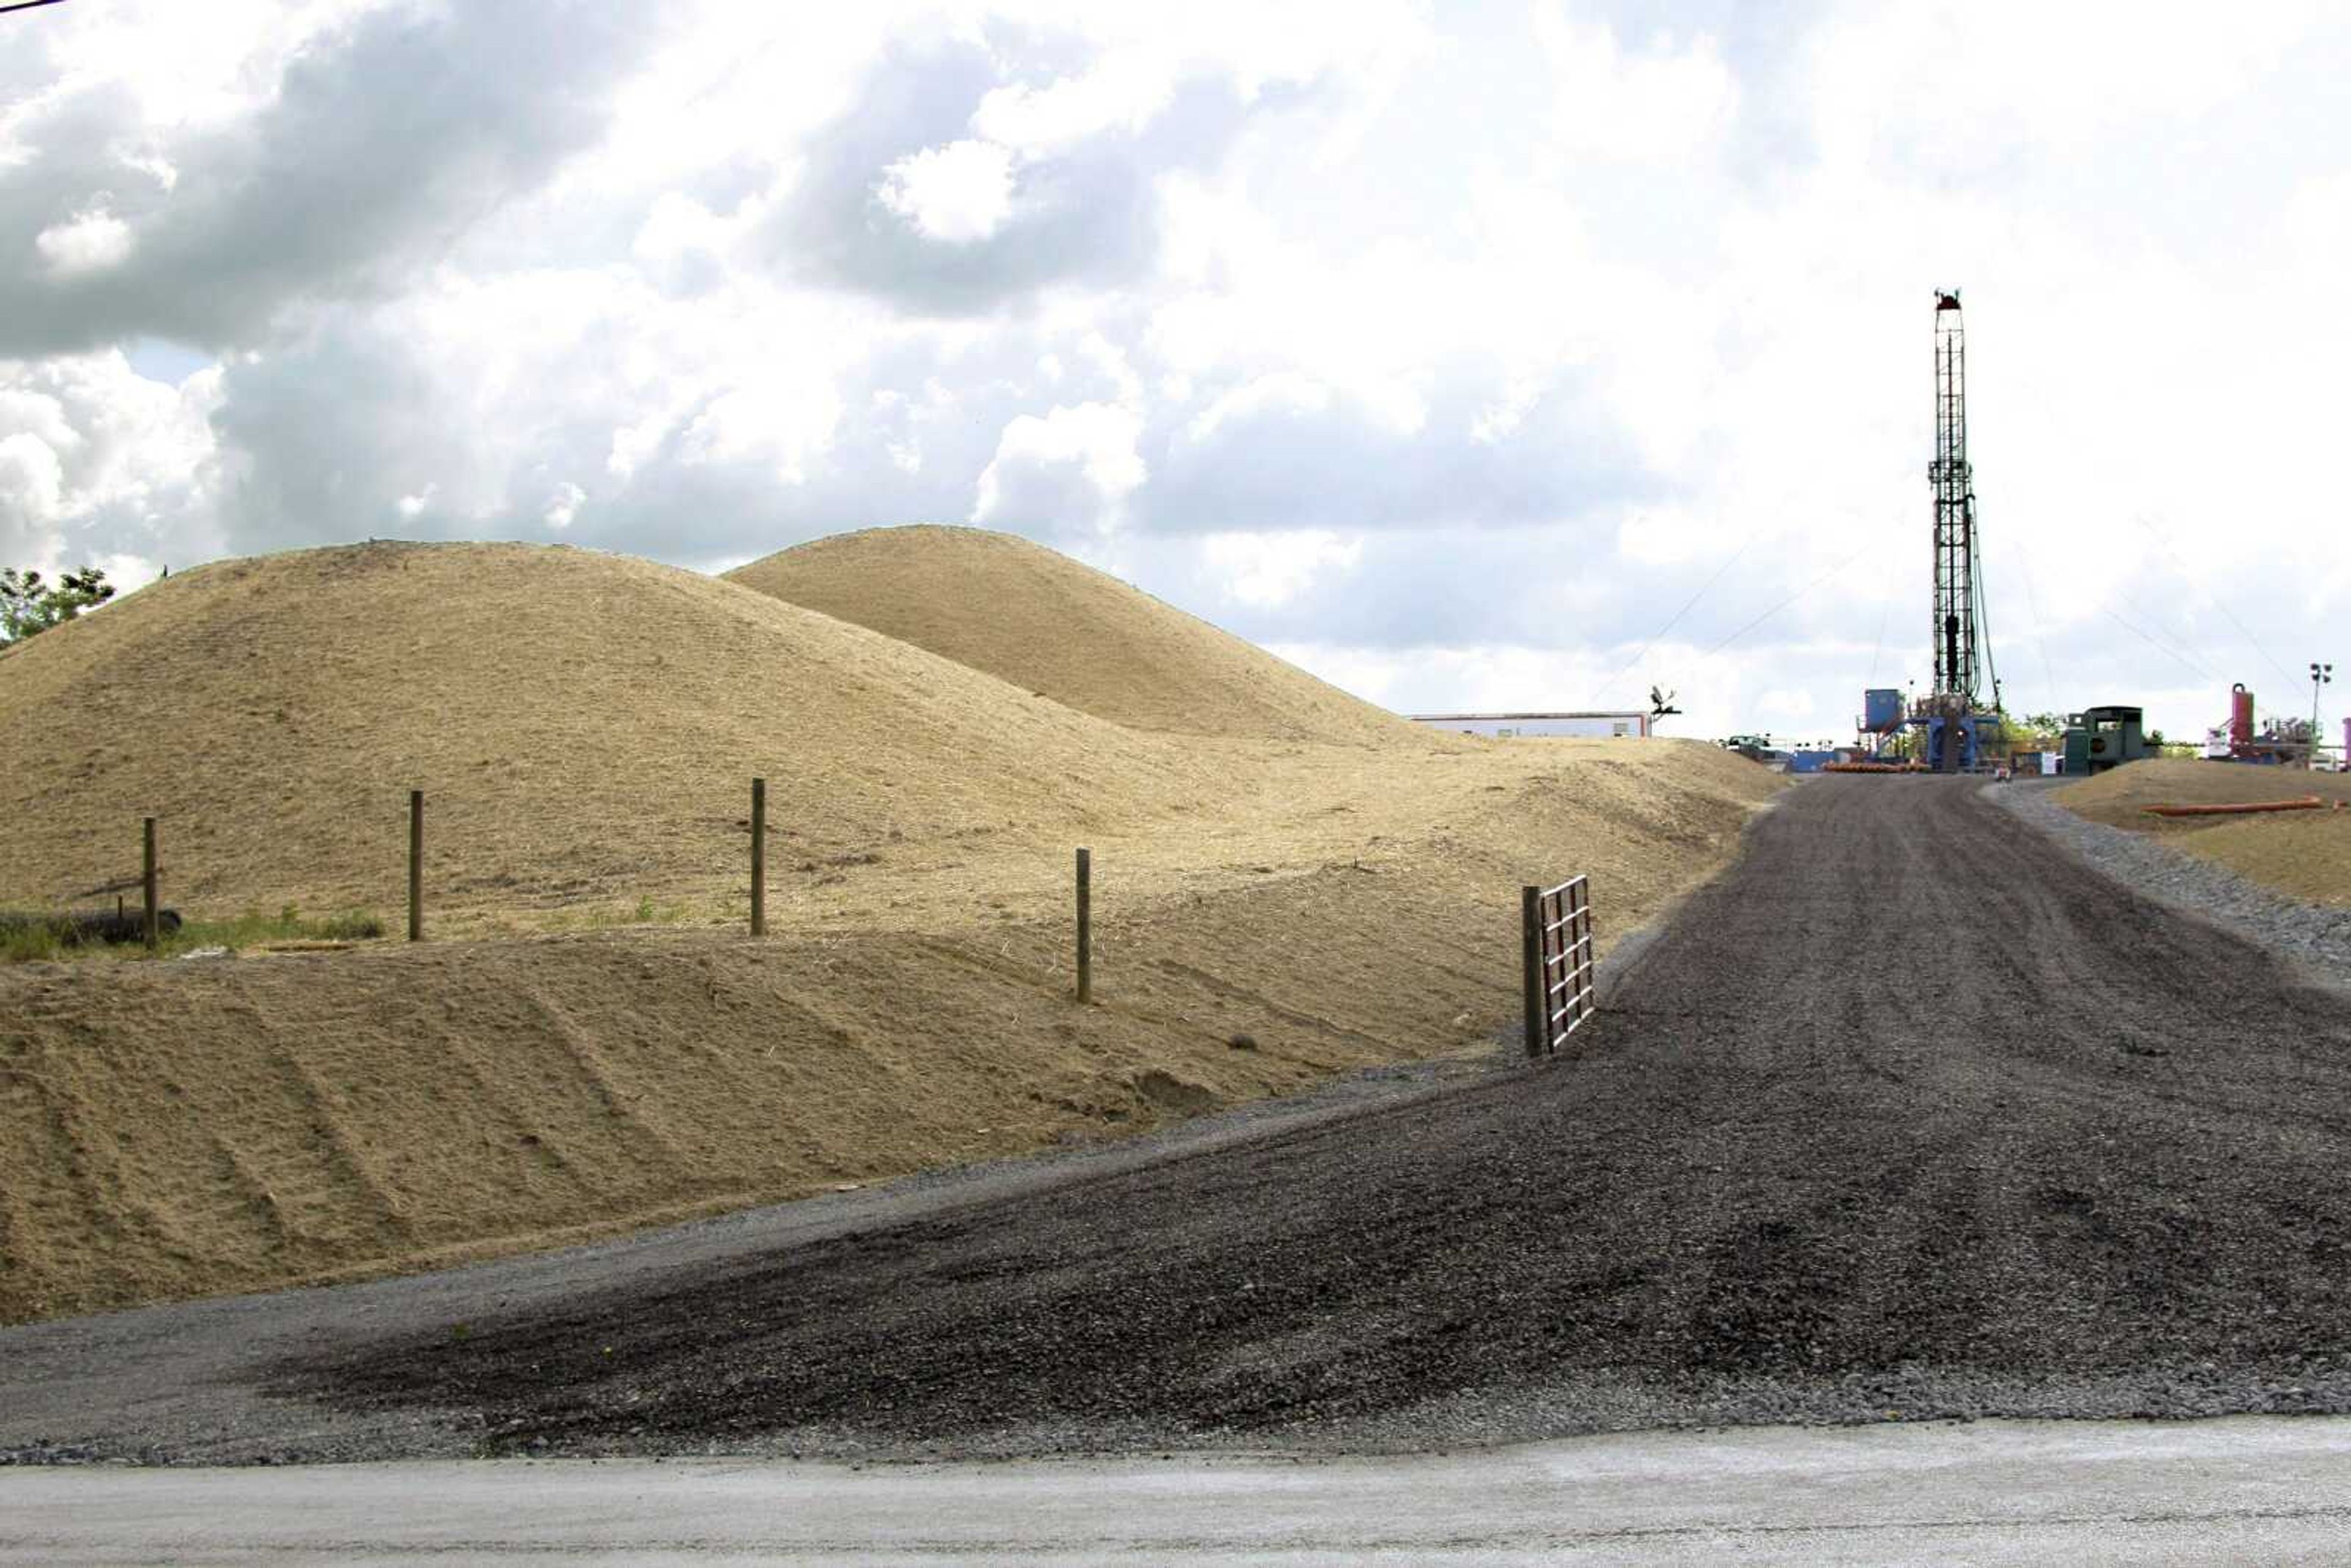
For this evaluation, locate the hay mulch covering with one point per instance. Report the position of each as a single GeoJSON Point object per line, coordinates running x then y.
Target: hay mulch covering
{"type": "Point", "coordinates": [2304, 854]}
{"type": "Point", "coordinates": [1048, 625]}
{"type": "Point", "coordinates": [586, 727]}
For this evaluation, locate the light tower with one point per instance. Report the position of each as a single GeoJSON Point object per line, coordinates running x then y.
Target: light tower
{"type": "Point", "coordinates": [2321, 674]}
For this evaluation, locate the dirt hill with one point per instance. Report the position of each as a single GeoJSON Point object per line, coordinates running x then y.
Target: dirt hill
{"type": "Point", "coordinates": [1048, 625]}
{"type": "Point", "coordinates": [583, 725]}
{"type": "Point", "coordinates": [2305, 854]}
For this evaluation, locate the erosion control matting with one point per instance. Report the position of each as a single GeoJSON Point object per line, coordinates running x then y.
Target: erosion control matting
{"type": "Point", "coordinates": [1907, 1115]}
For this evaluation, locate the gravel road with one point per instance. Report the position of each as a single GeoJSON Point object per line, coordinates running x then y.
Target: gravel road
{"type": "Point", "coordinates": [1904, 1117]}
{"type": "Point", "coordinates": [2317, 935]}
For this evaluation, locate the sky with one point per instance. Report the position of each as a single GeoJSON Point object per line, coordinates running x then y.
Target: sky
{"type": "Point", "coordinates": [1471, 357]}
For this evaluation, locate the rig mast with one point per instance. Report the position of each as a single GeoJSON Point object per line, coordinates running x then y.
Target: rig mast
{"type": "Point", "coordinates": [1958, 628]}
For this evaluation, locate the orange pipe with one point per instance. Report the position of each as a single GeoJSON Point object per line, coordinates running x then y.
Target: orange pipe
{"type": "Point", "coordinates": [2307, 803]}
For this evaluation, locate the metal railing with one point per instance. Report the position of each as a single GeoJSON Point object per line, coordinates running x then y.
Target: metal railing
{"type": "Point", "coordinates": [1557, 961]}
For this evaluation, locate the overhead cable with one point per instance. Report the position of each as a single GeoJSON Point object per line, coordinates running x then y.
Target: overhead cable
{"type": "Point", "coordinates": [2189, 572]}
{"type": "Point", "coordinates": [1675, 619]}
{"type": "Point", "coordinates": [1775, 610]}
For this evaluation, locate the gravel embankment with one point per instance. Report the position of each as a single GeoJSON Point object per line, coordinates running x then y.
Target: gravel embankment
{"type": "Point", "coordinates": [2321, 938]}
{"type": "Point", "coordinates": [1903, 1117]}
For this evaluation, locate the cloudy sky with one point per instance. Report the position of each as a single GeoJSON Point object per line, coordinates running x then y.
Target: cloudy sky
{"type": "Point", "coordinates": [1472, 357]}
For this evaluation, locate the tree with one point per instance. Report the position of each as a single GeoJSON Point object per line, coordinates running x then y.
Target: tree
{"type": "Point", "coordinates": [2036, 731]}
{"type": "Point", "coordinates": [29, 604]}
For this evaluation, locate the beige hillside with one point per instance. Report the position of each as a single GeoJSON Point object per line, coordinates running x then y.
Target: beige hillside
{"type": "Point", "coordinates": [584, 726]}
{"type": "Point", "coordinates": [1048, 624]}
{"type": "Point", "coordinates": [2304, 854]}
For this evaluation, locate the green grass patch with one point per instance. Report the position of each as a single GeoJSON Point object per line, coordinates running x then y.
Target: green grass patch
{"type": "Point", "coordinates": [644, 912]}
{"type": "Point", "coordinates": [26, 943]}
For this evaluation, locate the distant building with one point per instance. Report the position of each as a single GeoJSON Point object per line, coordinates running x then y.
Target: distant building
{"type": "Point", "coordinates": [1598, 725]}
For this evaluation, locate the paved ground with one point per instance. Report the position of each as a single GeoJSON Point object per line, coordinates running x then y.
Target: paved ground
{"type": "Point", "coordinates": [1905, 1117]}
{"type": "Point", "coordinates": [2248, 1488]}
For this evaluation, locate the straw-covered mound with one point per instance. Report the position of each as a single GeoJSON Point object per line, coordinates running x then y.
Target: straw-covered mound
{"type": "Point", "coordinates": [585, 727]}
{"type": "Point", "coordinates": [2304, 854]}
{"type": "Point", "coordinates": [1048, 624]}
{"type": "Point", "coordinates": [1268, 911]}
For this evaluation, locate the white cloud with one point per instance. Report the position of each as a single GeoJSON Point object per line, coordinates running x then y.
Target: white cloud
{"type": "Point", "coordinates": [93, 241]}
{"type": "Point", "coordinates": [1661, 106]}
{"type": "Point", "coordinates": [96, 462]}
{"type": "Point", "coordinates": [1286, 391]}
{"type": "Point", "coordinates": [1074, 468]}
{"type": "Point", "coordinates": [1271, 569]}
{"type": "Point", "coordinates": [1501, 419]}
{"type": "Point", "coordinates": [563, 504]}
{"type": "Point", "coordinates": [32, 479]}
{"type": "Point", "coordinates": [786, 415]}
{"type": "Point", "coordinates": [682, 244]}
{"type": "Point", "coordinates": [957, 194]}
{"type": "Point", "coordinates": [1123, 93]}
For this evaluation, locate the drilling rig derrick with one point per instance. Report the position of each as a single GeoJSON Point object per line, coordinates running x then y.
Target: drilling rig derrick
{"type": "Point", "coordinates": [1953, 719]}
{"type": "Point", "coordinates": [1955, 630]}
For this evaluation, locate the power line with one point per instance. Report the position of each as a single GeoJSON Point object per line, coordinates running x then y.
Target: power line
{"type": "Point", "coordinates": [1775, 610]}
{"type": "Point", "coordinates": [2190, 573]}
{"type": "Point", "coordinates": [1977, 585]}
{"type": "Point", "coordinates": [28, 5]}
{"type": "Point", "coordinates": [2041, 637]}
{"type": "Point", "coordinates": [1884, 613]}
{"type": "Point", "coordinates": [2188, 644]}
{"type": "Point", "coordinates": [2182, 660]}
{"type": "Point", "coordinates": [1676, 618]}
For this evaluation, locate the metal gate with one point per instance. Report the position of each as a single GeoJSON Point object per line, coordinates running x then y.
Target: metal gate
{"type": "Point", "coordinates": [1557, 961]}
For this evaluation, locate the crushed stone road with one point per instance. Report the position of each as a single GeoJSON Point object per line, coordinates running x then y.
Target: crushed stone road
{"type": "Point", "coordinates": [1907, 1117]}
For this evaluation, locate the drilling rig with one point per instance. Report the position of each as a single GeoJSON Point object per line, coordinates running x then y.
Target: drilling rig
{"type": "Point", "coordinates": [1953, 477]}
{"type": "Point", "coordinates": [1953, 723]}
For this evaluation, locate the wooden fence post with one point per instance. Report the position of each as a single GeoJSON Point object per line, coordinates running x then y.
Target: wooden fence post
{"type": "Point", "coordinates": [147, 879]}
{"type": "Point", "coordinates": [1531, 977]}
{"type": "Point", "coordinates": [1085, 926]}
{"type": "Point", "coordinates": [758, 857]}
{"type": "Point", "coordinates": [416, 865]}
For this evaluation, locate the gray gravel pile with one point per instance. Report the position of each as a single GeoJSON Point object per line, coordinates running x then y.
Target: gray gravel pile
{"type": "Point", "coordinates": [2319, 937]}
